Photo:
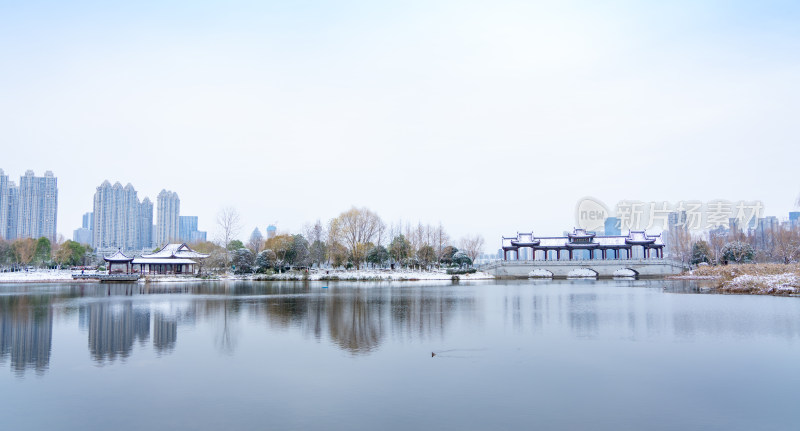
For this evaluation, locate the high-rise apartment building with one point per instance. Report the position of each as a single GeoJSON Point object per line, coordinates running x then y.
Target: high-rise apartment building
{"type": "Point", "coordinates": [146, 224]}
{"type": "Point", "coordinates": [13, 211]}
{"type": "Point", "coordinates": [3, 204]}
{"type": "Point", "coordinates": [117, 218]}
{"type": "Point", "coordinates": [168, 224]}
{"type": "Point", "coordinates": [37, 210]}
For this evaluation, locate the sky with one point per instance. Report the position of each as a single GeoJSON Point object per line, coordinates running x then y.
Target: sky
{"type": "Point", "coordinates": [490, 117]}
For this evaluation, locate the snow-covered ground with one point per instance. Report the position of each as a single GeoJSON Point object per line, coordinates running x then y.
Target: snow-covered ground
{"type": "Point", "coordinates": [43, 275]}
{"type": "Point", "coordinates": [399, 275]}
{"type": "Point", "coordinates": [776, 284]}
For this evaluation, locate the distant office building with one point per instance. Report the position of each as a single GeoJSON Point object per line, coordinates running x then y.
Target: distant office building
{"type": "Point", "coordinates": [168, 225]}
{"type": "Point", "coordinates": [188, 230]}
{"type": "Point", "coordinates": [118, 218]}
{"type": "Point", "coordinates": [612, 226]}
{"type": "Point", "coordinates": [271, 231]}
{"type": "Point", "coordinates": [82, 236]}
{"type": "Point", "coordinates": [87, 220]}
{"type": "Point", "coordinates": [37, 206]}
{"type": "Point", "coordinates": [794, 218]}
{"type": "Point", "coordinates": [146, 224]}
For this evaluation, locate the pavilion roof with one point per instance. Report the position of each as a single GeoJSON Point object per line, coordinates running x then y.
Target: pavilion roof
{"type": "Point", "coordinates": [117, 257]}
{"type": "Point", "coordinates": [172, 251]}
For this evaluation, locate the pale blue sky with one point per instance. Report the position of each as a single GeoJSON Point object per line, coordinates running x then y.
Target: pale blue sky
{"type": "Point", "coordinates": [490, 117]}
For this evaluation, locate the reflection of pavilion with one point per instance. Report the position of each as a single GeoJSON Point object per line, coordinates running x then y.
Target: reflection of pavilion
{"type": "Point", "coordinates": [580, 243]}
{"type": "Point", "coordinates": [26, 335]}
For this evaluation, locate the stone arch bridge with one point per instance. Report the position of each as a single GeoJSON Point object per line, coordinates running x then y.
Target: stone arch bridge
{"type": "Point", "coordinates": [597, 268]}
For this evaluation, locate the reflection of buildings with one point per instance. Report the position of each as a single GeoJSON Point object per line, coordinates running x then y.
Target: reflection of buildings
{"type": "Point", "coordinates": [165, 333]}
{"type": "Point", "coordinates": [26, 334]}
{"type": "Point", "coordinates": [113, 328]}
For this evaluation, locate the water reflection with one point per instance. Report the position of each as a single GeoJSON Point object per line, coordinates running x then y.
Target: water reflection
{"type": "Point", "coordinates": [113, 328]}
{"type": "Point", "coordinates": [26, 333]}
{"type": "Point", "coordinates": [359, 319]}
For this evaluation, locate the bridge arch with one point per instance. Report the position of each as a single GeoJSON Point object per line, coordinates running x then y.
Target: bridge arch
{"type": "Point", "coordinates": [583, 273]}
{"type": "Point", "coordinates": [540, 273]}
{"type": "Point", "coordinates": [626, 272]}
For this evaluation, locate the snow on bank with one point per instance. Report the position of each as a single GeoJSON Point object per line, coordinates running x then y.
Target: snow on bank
{"type": "Point", "coordinates": [59, 275]}
{"type": "Point", "coordinates": [775, 284]}
{"type": "Point", "coordinates": [372, 275]}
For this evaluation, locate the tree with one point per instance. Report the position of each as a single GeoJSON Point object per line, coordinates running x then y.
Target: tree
{"type": "Point", "coordinates": [280, 245]}
{"type": "Point", "coordinates": [230, 224]}
{"type": "Point", "coordinates": [447, 255]}
{"type": "Point", "coordinates": [298, 253]}
{"type": "Point", "coordinates": [266, 260]}
{"type": "Point", "coordinates": [256, 241]}
{"type": "Point", "coordinates": [399, 249]}
{"type": "Point", "coordinates": [738, 251]}
{"type": "Point", "coordinates": [235, 245]}
{"type": "Point", "coordinates": [377, 255]}
{"type": "Point", "coordinates": [42, 253]}
{"type": "Point", "coordinates": [700, 253]}
{"type": "Point", "coordinates": [70, 253]}
{"type": "Point", "coordinates": [316, 238]}
{"type": "Point", "coordinates": [786, 244]}
{"type": "Point", "coordinates": [680, 244]}
{"type": "Point", "coordinates": [355, 229]}
{"type": "Point", "coordinates": [461, 259]}
{"type": "Point", "coordinates": [24, 250]}
{"type": "Point", "coordinates": [243, 261]}
{"type": "Point", "coordinates": [472, 246]}
{"type": "Point", "coordinates": [426, 255]}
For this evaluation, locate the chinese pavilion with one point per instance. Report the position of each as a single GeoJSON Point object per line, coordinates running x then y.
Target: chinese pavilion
{"type": "Point", "coordinates": [171, 259]}
{"type": "Point", "coordinates": [580, 243]}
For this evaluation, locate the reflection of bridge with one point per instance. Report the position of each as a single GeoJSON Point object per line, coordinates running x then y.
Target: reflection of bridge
{"type": "Point", "coordinates": [578, 268]}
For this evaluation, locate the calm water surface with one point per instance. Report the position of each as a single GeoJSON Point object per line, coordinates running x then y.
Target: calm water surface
{"type": "Point", "coordinates": [599, 355]}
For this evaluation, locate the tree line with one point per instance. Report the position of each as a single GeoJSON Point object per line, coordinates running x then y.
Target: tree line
{"type": "Point", "coordinates": [357, 238]}
{"type": "Point", "coordinates": [30, 252]}
{"type": "Point", "coordinates": [778, 243]}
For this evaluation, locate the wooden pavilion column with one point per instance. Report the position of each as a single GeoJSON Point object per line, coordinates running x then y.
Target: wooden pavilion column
{"type": "Point", "coordinates": [558, 254]}
{"type": "Point", "coordinates": [591, 254]}
{"type": "Point", "coordinates": [570, 254]}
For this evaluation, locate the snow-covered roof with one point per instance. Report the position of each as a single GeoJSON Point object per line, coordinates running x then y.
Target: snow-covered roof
{"type": "Point", "coordinates": [161, 261]}
{"type": "Point", "coordinates": [172, 251]}
{"type": "Point", "coordinates": [633, 238]}
{"type": "Point", "coordinates": [117, 257]}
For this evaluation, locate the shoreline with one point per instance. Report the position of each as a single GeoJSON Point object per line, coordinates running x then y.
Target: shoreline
{"type": "Point", "coordinates": [748, 279]}
{"type": "Point", "coordinates": [65, 276]}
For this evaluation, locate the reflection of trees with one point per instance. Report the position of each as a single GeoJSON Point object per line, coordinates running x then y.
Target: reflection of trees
{"type": "Point", "coordinates": [26, 332]}
{"type": "Point", "coordinates": [113, 328]}
{"type": "Point", "coordinates": [355, 319]}
{"type": "Point", "coordinates": [358, 319]}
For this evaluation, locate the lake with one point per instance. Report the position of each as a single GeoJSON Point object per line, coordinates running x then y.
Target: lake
{"type": "Point", "coordinates": [550, 355]}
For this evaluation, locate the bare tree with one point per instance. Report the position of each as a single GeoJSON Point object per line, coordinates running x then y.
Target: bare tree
{"type": "Point", "coordinates": [230, 225]}
{"type": "Point", "coordinates": [472, 246]}
{"type": "Point", "coordinates": [356, 229]}
{"type": "Point", "coordinates": [316, 239]}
